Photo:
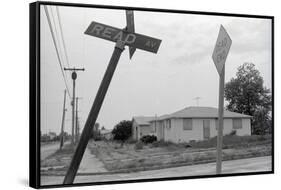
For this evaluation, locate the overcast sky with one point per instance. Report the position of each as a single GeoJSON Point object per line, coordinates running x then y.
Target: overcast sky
{"type": "Point", "coordinates": [150, 83]}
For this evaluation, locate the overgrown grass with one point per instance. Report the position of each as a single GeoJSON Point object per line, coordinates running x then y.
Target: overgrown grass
{"type": "Point", "coordinates": [232, 141]}
{"type": "Point", "coordinates": [162, 154]}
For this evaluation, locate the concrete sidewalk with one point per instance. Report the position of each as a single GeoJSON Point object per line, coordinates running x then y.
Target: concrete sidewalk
{"type": "Point", "coordinates": [91, 164]}
{"type": "Point", "coordinates": [235, 166]}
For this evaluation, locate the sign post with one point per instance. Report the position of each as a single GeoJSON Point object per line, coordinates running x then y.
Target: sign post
{"type": "Point", "coordinates": [122, 38]}
{"type": "Point", "coordinates": [219, 57]}
{"type": "Point", "coordinates": [130, 28]}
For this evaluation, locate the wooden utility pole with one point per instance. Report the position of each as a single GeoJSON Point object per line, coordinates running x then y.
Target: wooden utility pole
{"type": "Point", "coordinates": [76, 122]}
{"type": "Point", "coordinates": [73, 76]}
{"type": "Point", "coordinates": [62, 122]}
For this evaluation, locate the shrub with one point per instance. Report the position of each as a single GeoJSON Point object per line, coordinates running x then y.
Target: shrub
{"type": "Point", "coordinates": [139, 145]}
{"type": "Point", "coordinates": [232, 133]}
{"type": "Point", "coordinates": [148, 139]}
{"type": "Point", "coordinates": [122, 131]}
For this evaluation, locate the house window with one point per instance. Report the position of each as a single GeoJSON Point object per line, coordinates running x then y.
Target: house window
{"type": "Point", "coordinates": [237, 123]}
{"type": "Point", "coordinates": [206, 123]}
{"type": "Point", "coordinates": [187, 124]}
{"type": "Point", "coordinates": [168, 124]}
{"type": "Point", "coordinates": [217, 124]}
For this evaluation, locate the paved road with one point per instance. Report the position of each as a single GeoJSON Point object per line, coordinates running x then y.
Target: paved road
{"type": "Point", "coordinates": [235, 166]}
{"type": "Point", "coordinates": [47, 150]}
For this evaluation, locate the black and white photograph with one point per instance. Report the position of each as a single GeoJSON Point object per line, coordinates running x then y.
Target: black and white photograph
{"type": "Point", "coordinates": [132, 94]}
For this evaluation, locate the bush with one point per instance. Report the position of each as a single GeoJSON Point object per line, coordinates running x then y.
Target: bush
{"type": "Point", "coordinates": [139, 145]}
{"type": "Point", "coordinates": [148, 139]}
{"type": "Point", "coordinates": [122, 131]}
{"type": "Point", "coordinates": [232, 133]}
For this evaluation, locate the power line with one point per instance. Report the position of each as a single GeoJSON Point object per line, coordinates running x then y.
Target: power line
{"type": "Point", "coordinates": [57, 35]}
{"type": "Point", "coordinates": [56, 47]}
{"type": "Point", "coordinates": [61, 32]}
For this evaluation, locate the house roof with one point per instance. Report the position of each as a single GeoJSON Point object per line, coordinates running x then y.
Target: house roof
{"type": "Point", "coordinates": [105, 131]}
{"type": "Point", "coordinates": [190, 112]}
{"type": "Point", "coordinates": [143, 120]}
{"type": "Point", "coordinates": [201, 112]}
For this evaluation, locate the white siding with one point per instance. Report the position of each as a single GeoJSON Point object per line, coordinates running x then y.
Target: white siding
{"type": "Point", "coordinates": [177, 134]}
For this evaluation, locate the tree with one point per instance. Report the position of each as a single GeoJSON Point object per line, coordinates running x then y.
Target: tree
{"type": "Point", "coordinates": [122, 131]}
{"type": "Point", "coordinates": [247, 94]}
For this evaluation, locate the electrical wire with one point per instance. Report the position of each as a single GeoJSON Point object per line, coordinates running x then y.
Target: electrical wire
{"type": "Point", "coordinates": [56, 47]}
{"type": "Point", "coordinates": [62, 36]}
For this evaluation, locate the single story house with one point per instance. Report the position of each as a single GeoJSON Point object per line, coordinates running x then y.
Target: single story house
{"type": "Point", "coordinates": [106, 134]}
{"type": "Point", "coordinates": [141, 126]}
{"type": "Point", "coordinates": [191, 123]}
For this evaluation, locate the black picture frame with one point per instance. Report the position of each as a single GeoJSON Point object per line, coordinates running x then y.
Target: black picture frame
{"type": "Point", "coordinates": [34, 91]}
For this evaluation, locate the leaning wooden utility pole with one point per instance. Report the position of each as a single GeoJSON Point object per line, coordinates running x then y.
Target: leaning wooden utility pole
{"type": "Point", "coordinates": [62, 122]}
{"type": "Point", "coordinates": [219, 57]}
{"type": "Point", "coordinates": [122, 38]}
{"type": "Point", "coordinates": [73, 76]}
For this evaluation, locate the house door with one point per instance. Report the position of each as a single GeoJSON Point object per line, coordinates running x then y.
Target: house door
{"type": "Point", "coordinates": [206, 129]}
{"type": "Point", "coordinates": [162, 133]}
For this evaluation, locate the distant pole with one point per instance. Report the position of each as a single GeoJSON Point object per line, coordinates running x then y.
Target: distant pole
{"type": "Point", "coordinates": [155, 123]}
{"type": "Point", "coordinates": [76, 121]}
{"type": "Point", "coordinates": [74, 77]}
{"type": "Point", "coordinates": [220, 127]}
{"type": "Point", "coordinates": [91, 120]}
{"type": "Point", "coordinates": [62, 122]}
{"type": "Point", "coordinates": [78, 127]}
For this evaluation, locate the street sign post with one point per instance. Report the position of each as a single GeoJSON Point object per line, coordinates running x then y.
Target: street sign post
{"type": "Point", "coordinates": [130, 28]}
{"type": "Point", "coordinates": [219, 57]}
{"type": "Point", "coordinates": [122, 38]}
